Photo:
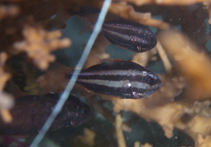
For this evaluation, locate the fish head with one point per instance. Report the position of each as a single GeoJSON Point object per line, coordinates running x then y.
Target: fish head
{"type": "Point", "coordinates": [78, 113]}
{"type": "Point", "coordinates": [149, 41]}
{"type": "Point", "coordinates": [147, 85]}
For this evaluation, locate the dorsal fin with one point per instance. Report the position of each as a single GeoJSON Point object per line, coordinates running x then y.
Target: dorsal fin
{"type": "Point", "coordinates": [113, 60]}
{"type": "Point", "coordinates": [83, 91]}
{"type": "Point", "coordinates": [54, 79]}
{"type": "Point", "coordinates": [93, 60]}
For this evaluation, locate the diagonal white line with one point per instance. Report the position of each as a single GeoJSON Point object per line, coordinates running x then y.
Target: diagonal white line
{"type": "Point", "coordinates": [74, 77]}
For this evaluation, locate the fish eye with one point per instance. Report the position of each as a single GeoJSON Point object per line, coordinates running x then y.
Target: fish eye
{"type": "Point", "coordinates": [151, 38]}
{"type": "Point", "coordinates": [85, 110]}
{"type": "Point", "coordinates": [150, 81]}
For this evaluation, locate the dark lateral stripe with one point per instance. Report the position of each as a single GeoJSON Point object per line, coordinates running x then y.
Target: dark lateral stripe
{"type": "Point", "coordinates": [119, 32]}
{"type": "Point", "coordinates": [117, 38]}
{"type": "Point", "coordinates": [129, 26]}
{"type": "Point", "coordinates": [120, 27]}
{"type": "Point", "coordinates": [119, 41]}
{"type": "Point", "coordinates": [109, 78]}
{"type": "Point", "coordinates": [103, 89]}
{"type": "Point", "coordinates": [129, 31]}
{"type": "Point", "coordinates": [123, 65]}
{"type": "Point", "coordinates": [130, 38]}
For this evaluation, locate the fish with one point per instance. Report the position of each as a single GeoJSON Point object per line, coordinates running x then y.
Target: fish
{"type": "Point", "coordinates": [31, 112]}
{"type": "Point", "coordinates": [119, 78]}
{"type": "Point", "coordinates": [129, 35]}
{"type": "Point", "coordinates": [126, 34]}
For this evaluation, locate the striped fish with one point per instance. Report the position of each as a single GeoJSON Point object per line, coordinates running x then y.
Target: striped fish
{"type": "Point", "coordinates": [123, 79]}
{"type": "Point", "coordinates": [129, 35]}
{"type": "Point", "coordinates": [123, 33]}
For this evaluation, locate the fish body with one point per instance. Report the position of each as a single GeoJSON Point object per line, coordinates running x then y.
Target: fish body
{"type": "Point", "coordinates": [123, 33]}
{"type": "Point", "coordinates": [31, 112]}
{"type": "Point", "coordinates": [129, 35]}
{"type": "Point", "coordinates": [122, 79]}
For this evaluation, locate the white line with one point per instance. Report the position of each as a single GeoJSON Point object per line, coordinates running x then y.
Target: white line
{"type": "Point", "coordinates": [116, 73]}
{"type": "Point", "coordinates": [117, 84]}
{"type": "Point", "coordinates": [125, 36]}
{"type": "Point", "coordinates": [73, 79]}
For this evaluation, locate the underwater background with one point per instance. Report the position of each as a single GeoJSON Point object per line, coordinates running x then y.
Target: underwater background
{"type": "Point", "coordinates": [41, 41]}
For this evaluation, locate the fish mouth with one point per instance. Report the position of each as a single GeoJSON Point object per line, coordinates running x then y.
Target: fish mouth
{"type": "Point", "coordinates": [158, 86]}
{"type": "Point", "coordinates": [151, 46]}
{"type": "Point", "coordinates": [145, 48]}
{"type": "Point", "coordinates": [142, 49]}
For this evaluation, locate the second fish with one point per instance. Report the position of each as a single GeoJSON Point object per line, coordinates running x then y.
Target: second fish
{"type": "Point", "coordinates": [129, 35]}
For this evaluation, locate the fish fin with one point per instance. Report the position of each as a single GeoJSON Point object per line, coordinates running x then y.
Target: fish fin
{"type": "Point", "coordinates": [13, 89]}
{"type": "Point", "coordinates": [83, 91]}
{"type": "Point", "coordinates": [93, 60]}
{"type": "Point", "coordinates": [54, 80]}
{"type": "Point", "coordinates": [122, 47]}
{"type": "Point", "coordinates": [112, 60]}
{"type": "Point", "coordinates": [109, 97]}
{"type": "Point", "coordinates": [112, 42]}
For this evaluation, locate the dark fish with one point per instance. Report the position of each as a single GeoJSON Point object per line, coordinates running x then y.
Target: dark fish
{"type": "Point", "coordinates": [31, 112]}
{"type": "Point", "coordinates": [123, 33]}
{"type": "Point", "coordinates": [123, 79]}
{"type": "Point", "coordinates": [129, 35]}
